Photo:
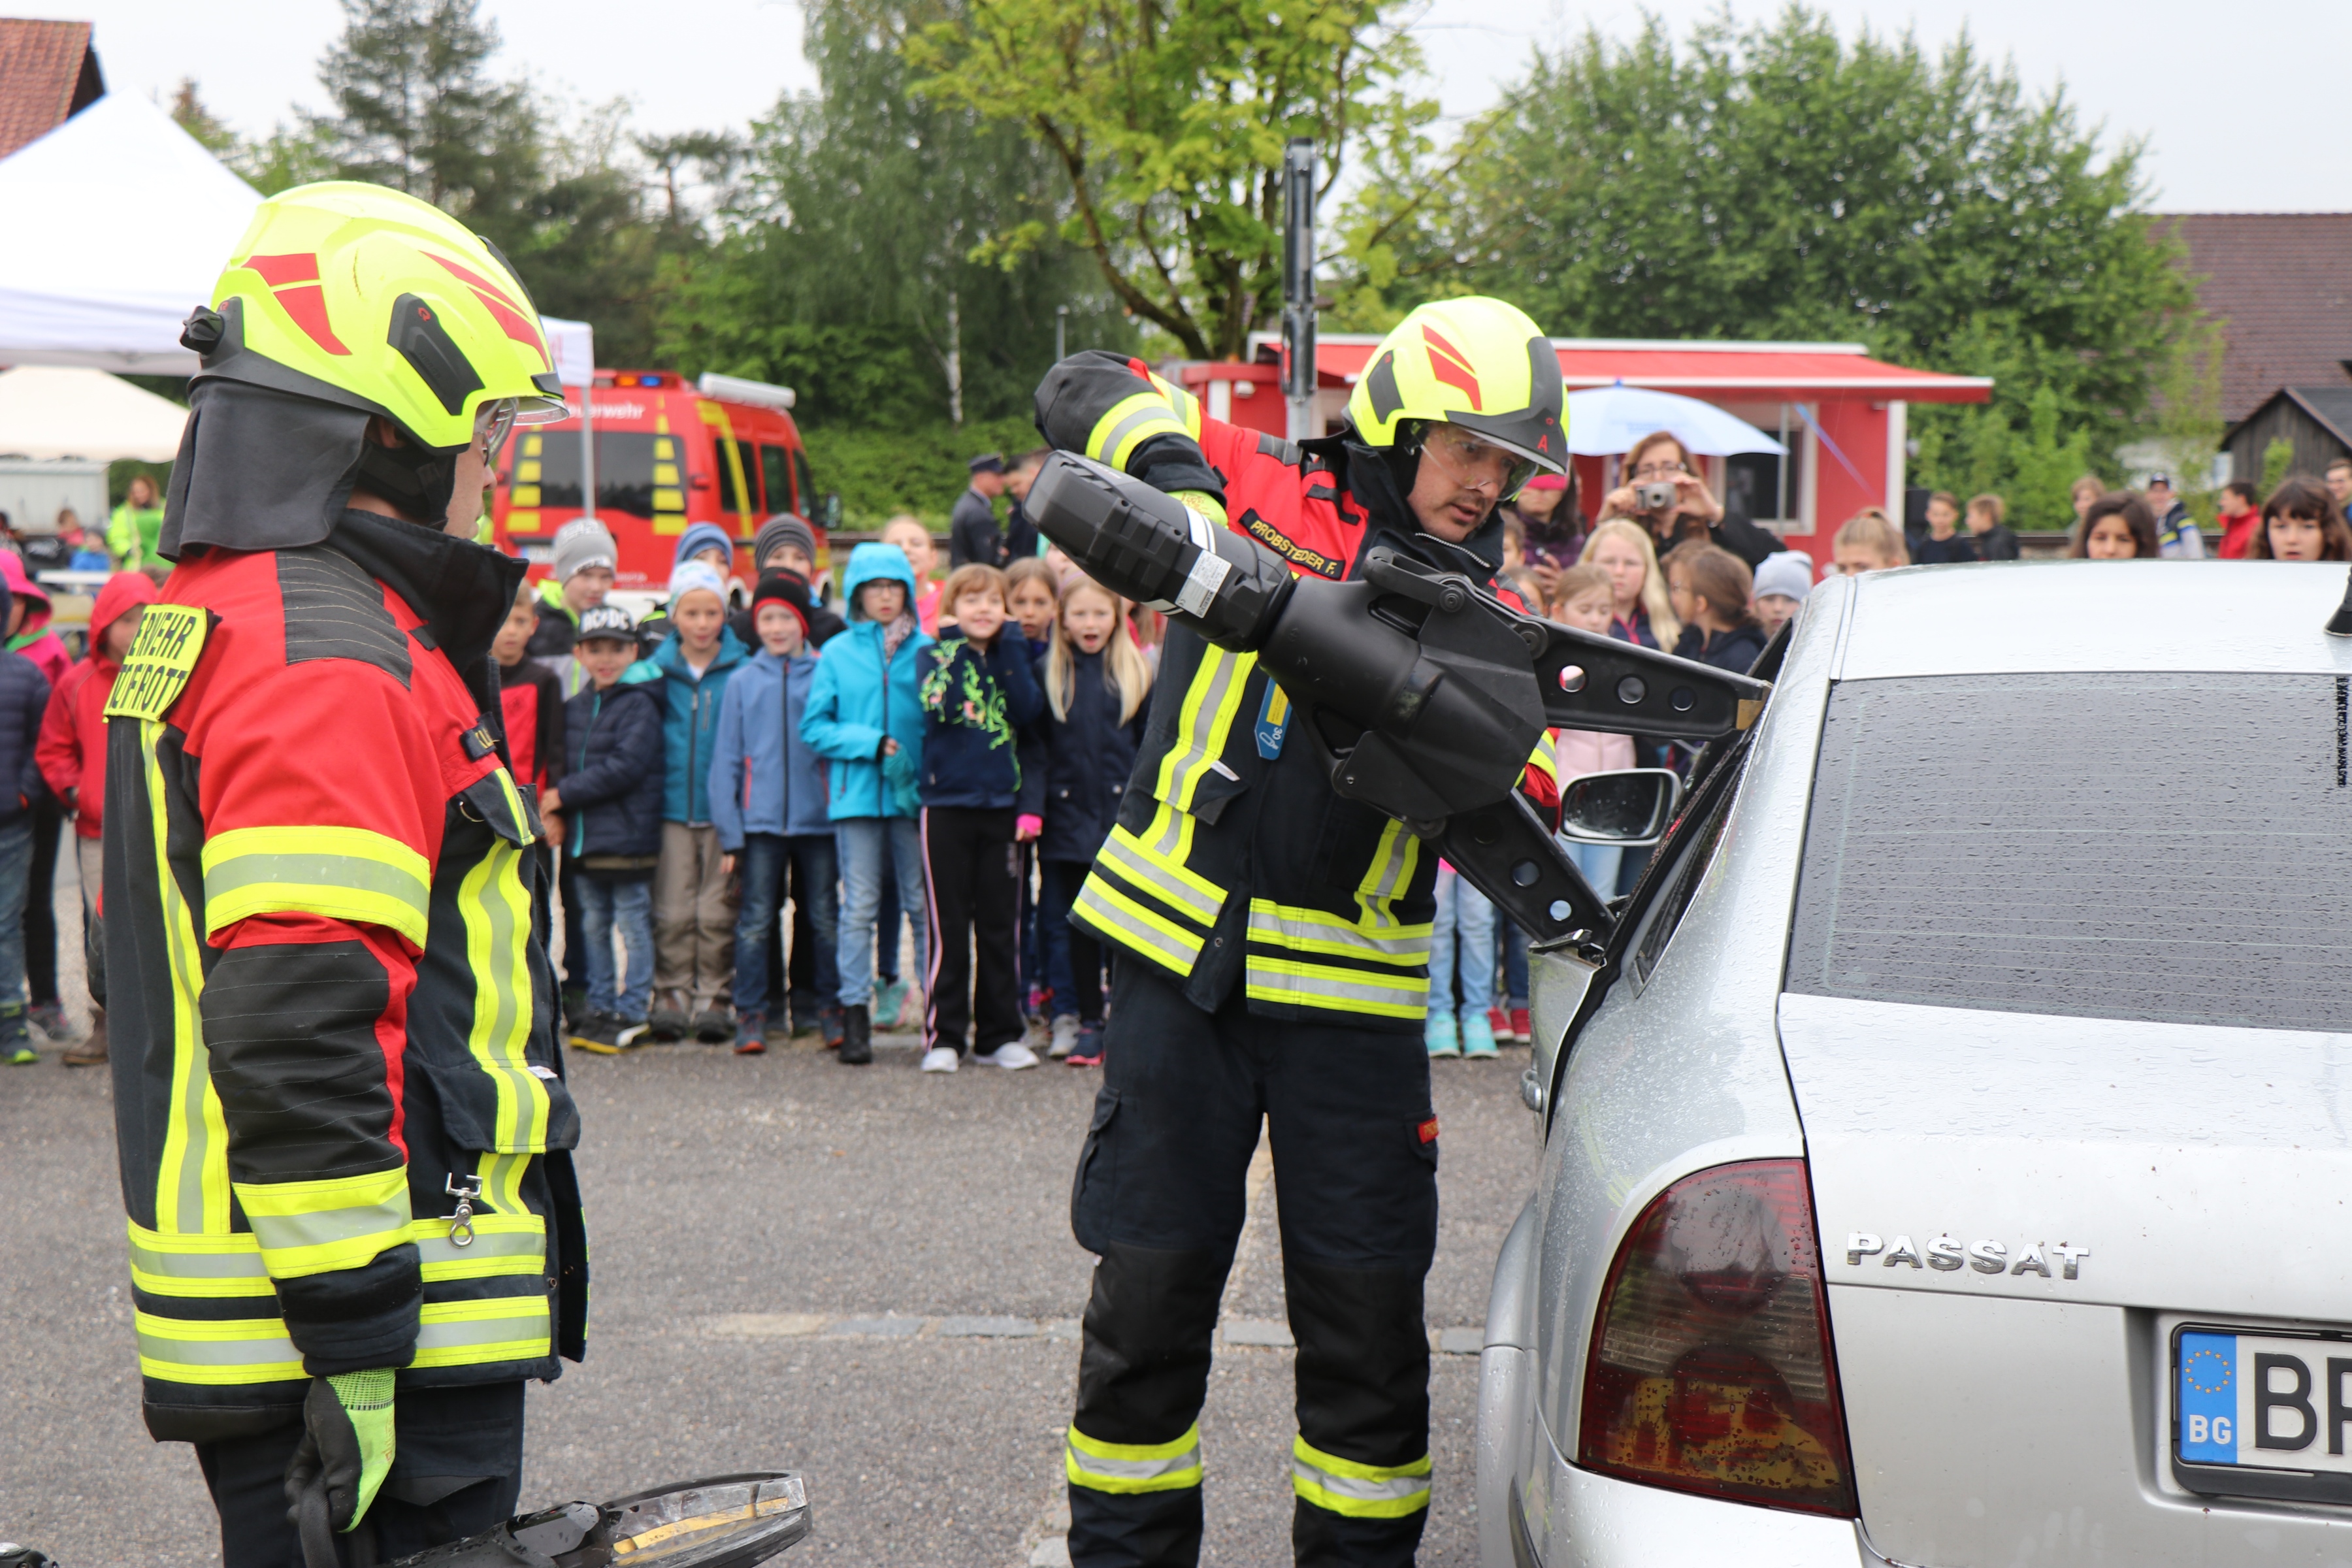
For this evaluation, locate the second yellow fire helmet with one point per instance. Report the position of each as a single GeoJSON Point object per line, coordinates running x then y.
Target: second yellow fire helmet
{"type": "Point", "coordinates": [1477, 362]}
{"type": "Point", "coordinates": [364, 297]}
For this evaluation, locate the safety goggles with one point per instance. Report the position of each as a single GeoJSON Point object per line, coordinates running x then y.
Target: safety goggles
{"type": "Point", "coordinates": [1475, 462]}
{"type": "Point", "coordinates": [494, 424]}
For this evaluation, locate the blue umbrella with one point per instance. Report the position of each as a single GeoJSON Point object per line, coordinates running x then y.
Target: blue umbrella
{"type": "Point", "coordinates": [1603, 421]}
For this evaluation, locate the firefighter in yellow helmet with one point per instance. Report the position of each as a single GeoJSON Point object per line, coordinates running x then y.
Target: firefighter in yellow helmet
{"type": "Point", "coordinates": [1273, 945]}
{"type": "Point", "coordinates": [344, 1132]}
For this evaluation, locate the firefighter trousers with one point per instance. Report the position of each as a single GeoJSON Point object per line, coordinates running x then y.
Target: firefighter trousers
{"type": "Point", "coordinates": [1160, 1197]}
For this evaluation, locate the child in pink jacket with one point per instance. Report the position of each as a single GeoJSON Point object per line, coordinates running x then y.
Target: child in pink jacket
{"type": "Point", "coordinates": [1582, 600]}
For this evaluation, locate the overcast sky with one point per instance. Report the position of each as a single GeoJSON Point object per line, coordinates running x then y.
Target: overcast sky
{"type": "Point", "coordinates": [2248, 138]}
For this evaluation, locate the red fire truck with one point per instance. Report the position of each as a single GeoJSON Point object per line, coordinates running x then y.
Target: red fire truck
{"type": "Point", "coordinates": [668, 453]}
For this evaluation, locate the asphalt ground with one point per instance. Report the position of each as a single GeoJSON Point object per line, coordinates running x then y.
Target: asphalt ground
{"type": "Point", "coordinates": [866, 1276]}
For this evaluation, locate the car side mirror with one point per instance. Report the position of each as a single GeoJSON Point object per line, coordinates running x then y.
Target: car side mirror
{"type": "Point", "coordinates": [1630, 808]}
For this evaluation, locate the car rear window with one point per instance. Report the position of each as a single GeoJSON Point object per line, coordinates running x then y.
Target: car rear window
{"type": "Point", "coordinates": [2170, 848]}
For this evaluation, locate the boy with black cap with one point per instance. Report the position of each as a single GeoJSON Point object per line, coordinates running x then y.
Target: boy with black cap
{"type": "Point", "coordinates": [768, 802]}
{"type": "Point", "coordinates": [972, 536]}
{"type": "Point", "coordinates": [611, 799]}
{"type": "Point", "coordinates": [786, 544]}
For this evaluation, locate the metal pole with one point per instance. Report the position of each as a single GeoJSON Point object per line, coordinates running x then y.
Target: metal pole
{"type": "Point", "coordinates": [1060, 334]}
{"type": "Point", "coordinates": [1298, 285]}
{"type": "Point", "coordinates": [588, 451]}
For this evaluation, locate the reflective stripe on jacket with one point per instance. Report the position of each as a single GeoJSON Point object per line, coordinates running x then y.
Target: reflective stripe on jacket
{"type": "Point", "coordinates": [329, 999]}
{"type": "Point", "coordinates": [1226, 864]}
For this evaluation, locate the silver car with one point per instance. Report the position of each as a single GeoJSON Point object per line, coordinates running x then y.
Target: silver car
{"type": "Point", "coordinates": [1952, 1162]}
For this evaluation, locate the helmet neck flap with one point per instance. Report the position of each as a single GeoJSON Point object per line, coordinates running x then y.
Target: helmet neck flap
{"type": "Point", "coordinates": [269, 457]}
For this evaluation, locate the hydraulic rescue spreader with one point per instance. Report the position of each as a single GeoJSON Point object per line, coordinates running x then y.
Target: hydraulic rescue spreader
{"type": "Point", "coordinates": [1422, 694]}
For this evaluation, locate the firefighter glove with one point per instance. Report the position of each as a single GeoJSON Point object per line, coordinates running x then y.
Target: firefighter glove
{"type": "Point", "coordinates": [346, 1448]}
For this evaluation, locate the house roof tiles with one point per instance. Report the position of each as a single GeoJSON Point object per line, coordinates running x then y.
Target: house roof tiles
{"type": "Point", "coordinates": [2281, 283]}
{"type": "Point", "coordinates": [46, 73]}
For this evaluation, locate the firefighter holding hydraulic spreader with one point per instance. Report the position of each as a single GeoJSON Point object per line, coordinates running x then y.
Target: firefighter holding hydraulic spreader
{"type": "Point", "coordinates": [344, 1133]}
{"type": "Point", "coordinates": [1273, 942]}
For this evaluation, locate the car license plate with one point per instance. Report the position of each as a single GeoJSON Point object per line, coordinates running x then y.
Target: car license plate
{"type": "Point", "coordinates": [2263, 1414]}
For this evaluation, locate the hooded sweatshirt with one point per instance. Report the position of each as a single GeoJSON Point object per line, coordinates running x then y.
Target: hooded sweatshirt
{"type": "Point", "coordinates": [34, 639]}
{"type": "Point", "coordinates": [72, 748]}
{"type": "Point", "coordinates": [24, 703]}
{"type": "Point", "coordinates": [868, 685]}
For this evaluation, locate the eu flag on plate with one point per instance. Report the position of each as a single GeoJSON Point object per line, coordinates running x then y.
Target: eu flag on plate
{"type": "Point", "coordinates": [2208, 1400]}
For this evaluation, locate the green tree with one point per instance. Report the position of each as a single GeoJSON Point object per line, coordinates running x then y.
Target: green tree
{"type": "Point", "coordinates": [190, 114]}
{"type": "Point", "coordinates": [861, 261]}
{"type": "Point", "coordinates": [415, 109]}
{"type": "Point", "coordinates": [1777, 181]}
{"type": "Point", "coordinates": [1169, 123]}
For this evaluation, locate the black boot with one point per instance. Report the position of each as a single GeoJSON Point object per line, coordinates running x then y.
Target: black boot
{"type": "Point", "coordinates": [857, 1035]}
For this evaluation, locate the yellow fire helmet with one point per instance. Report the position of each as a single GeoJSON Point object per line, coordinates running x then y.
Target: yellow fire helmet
{"type": "Point", "coordinates": [1476, 363]}
{"type": "Point", "coordinates": [362, 296]}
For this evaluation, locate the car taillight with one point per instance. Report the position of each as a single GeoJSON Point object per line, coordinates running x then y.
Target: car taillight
{"type": "Point", "coordinates": [1710, 1368]}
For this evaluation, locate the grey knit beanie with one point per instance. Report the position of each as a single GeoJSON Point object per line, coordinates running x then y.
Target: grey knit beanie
{"type": "Point", "coordinates": [580, 543]}
{"type": "Point", "coordinates": [782, 529]}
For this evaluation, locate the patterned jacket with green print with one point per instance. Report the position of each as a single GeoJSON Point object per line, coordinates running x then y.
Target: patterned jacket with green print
{"type": "Point", "coordinates": [977, 706]}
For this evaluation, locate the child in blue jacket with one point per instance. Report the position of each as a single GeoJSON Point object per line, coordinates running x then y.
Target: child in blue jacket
{"type": "Point", "coordinates": [865, 712]}
{"type": "Point", "coordinates": [979, 695]}
{"type": "Point", "coordinates": [768, 800]}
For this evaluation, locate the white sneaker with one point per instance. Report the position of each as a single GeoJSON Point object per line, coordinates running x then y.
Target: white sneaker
{"type": "Point", "coordinates": [939, 1058]}
{"type": "Point", "coordinates": [1011, 1057]}
{"type": "Point", "coordinates": [1065, 1036]}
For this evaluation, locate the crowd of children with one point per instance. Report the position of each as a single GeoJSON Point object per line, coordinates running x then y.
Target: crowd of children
{"type": "Point", "coordinates": [744, 811]}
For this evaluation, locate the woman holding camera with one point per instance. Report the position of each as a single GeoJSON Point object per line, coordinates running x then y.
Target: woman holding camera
{"type": "Point", "coordinates": [1663, 492]}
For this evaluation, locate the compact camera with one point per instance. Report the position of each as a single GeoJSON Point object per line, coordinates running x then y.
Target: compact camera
{"type": "Point", "coordinates": [1658, 495]}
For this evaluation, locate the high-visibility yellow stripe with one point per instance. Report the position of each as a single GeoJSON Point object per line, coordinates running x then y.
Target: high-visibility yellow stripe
{"type": "Point", "coordinates": [192, 1175]}
{"type": "Point", "coordinates": [1164, 877]}
{"type": "Point", "coordinates": [477, 1333]}
{"type": "Point", "coordinates": [1204, 724]}
{"type": "Point", "coordinates": [237, 1350]}
{"type": "Point", "coordinates": [1394, 860]}
{"type": "Point", "coordinates": [1115, 917]}
{"type": "Point", "coordinates": [497, 913]}
{"type": "Point", "coordinates": [1131, 1467]}
{"type": "Point", "coordinates": [162, 1263]}
{"type": "Point", "coordinates": [1318, 931]}
{"type": "Point", "coordinates": [1543, 760]}
{"type": "Point", "coordinates": [342, 873]}
{"type": "Point", "coordinates": [342, 1222]}
{"type": "Point", "coordinates": [1132, 421]}
{"type": "Point", "coordinates": [1335, 989]}
{"type": "Point", "coordinates": [1358, 1492]}
{"type": "Point", "coordinates": [1186, 406]}
{"type": "Point", "coordinates": [502, 1244]}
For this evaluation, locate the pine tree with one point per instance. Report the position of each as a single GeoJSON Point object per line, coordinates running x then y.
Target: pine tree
{"type": "Point", "coordinates": [415, 109]}
{"type": "Point", "coordinates": [190, 114]}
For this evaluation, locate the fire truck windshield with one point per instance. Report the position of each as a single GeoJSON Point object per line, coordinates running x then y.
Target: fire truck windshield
{"type": "Point", "coordinates": [636, 472]}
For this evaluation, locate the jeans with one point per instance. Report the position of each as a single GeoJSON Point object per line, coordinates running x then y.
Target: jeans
{"type": "Point", "coordinates": [760, 868]}
{"type": "Point", "coordinates": [1074, 961]}
{"type": "Point", "coordinates": [604, 904]}
{"type": "Point", "coordinates": [1599, 863]}
{"type": "Point", "coordinates": [869, 845]}
{"type": "Point", "coordinates": [15, 875]}
{"type": "Point", "coordinates": [1461, 907]}
{"type": "Point", "coordinates": [1514, 944]}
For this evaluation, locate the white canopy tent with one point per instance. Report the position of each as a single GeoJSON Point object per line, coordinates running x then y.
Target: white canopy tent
{"type": "Point", "coordinates": [118, 223]}
{"type": "Point", "coordinates": [55, 411]}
